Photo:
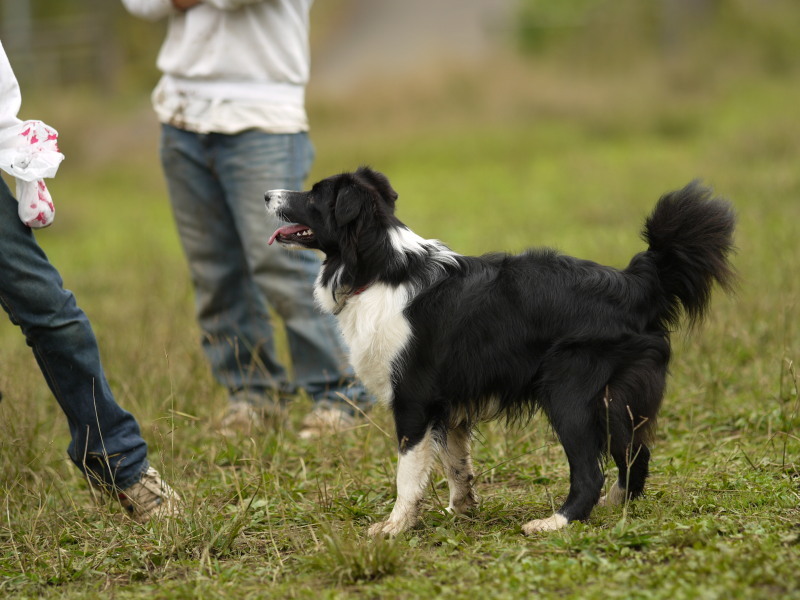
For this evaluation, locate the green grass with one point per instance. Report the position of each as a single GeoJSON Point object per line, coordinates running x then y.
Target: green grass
{"type": "Point", "coordinates": [542, 156]}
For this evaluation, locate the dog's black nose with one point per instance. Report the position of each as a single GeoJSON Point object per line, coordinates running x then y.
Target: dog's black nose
{"type": "Point", "coordinates": [276, 195]}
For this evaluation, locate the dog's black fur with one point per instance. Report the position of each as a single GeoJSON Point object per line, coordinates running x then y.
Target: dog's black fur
{"type": "Point", "coordinates": [507, 335]}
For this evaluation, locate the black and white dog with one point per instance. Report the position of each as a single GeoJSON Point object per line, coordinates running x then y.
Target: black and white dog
{"type": "Point", "coordinates": [449, 340]}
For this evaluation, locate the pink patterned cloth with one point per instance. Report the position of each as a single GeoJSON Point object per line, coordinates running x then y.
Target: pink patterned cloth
{"type": "Point", "coordinates": [29, 152]}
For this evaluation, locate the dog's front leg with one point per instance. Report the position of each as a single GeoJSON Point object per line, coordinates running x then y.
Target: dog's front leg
{"type": "Point", "coordinates": [413, 470]}
{"type": "Point", "coordinates": [458, 467]}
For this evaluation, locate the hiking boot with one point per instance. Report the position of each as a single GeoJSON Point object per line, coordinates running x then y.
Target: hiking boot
{"type": "Point", "coordinates": [246, 418]}
{"type": "Point", "coordinates": [325, 419]}
{"type": "Point", "coordinates": [150, 497]}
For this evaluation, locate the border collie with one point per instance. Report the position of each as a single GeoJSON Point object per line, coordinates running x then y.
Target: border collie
{"type": "Point", "coordinates": [448, 340]}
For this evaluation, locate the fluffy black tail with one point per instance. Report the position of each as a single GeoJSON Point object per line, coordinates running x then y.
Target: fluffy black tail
{"type": "Point", "coordinates": [690, 237]}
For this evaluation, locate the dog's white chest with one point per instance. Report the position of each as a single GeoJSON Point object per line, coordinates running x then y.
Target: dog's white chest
{"type": "Point", "coordinates": [376, 331]}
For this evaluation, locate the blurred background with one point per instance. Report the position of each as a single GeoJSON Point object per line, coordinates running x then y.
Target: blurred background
{"type": "Point", "coordinates": [502, 124]}
{"type": "Point", "coordinates": [415, 67]}
{"type": "Point", "coordinates": [383, 68]}
{"type": "Point", "coordinates": [95, 44]}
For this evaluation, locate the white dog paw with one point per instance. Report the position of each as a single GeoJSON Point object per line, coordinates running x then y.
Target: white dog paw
{"type": "Point", "coordinates": [464, 505]}
{"type": "Point", "coordinates": [552, 523]}
{"type": "Point", "coordinates": [614, 497]}
{"type": "Point", "coordinates": [387, 529]}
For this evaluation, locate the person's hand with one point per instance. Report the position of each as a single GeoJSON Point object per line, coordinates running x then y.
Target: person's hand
{"type": "Point", "coordinates": [185, 5]}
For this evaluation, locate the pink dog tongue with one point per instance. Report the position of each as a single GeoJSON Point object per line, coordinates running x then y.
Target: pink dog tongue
{"type": "Point", "coordinates": [286, 230]}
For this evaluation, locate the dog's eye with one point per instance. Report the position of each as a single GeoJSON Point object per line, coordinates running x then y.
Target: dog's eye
{"type": "Point", "coordinates": [313, 205]}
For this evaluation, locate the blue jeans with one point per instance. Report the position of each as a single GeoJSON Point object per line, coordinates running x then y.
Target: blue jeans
{"type": "Point", "coordinates": [216, 185]}
{"type": "Point", "coordinates": [106, 442]}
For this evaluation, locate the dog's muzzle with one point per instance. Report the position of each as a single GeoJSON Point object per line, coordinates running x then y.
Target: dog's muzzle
{"type": "Point", "coordinates": [274, 198]}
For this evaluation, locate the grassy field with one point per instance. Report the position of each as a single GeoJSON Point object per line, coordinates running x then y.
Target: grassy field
{"type": "Point", "coordinates": [529, 155]}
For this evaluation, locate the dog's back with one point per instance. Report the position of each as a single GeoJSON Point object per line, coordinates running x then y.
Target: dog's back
{"type": "Point", "coordinates": [487, 329]}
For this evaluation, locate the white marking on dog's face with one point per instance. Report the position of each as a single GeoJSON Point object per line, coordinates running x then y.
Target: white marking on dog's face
{"type": "Point", "coordinates": [274, 200]}
{"type": "Point", "coordinates": [413, 470]}
{"type": "Point", "coordinates": [375, 330]}
{"type": "Point", "coordinates": [553, 523]}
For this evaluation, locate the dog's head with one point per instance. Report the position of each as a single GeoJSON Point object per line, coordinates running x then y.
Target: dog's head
{"type": "Point", "coordinates": [350, 218]}
{"type": "Point", "coordinates": [340, 215]}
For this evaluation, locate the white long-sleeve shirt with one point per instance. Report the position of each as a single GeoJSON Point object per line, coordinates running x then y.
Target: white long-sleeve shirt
{"type": "Point", "coordinates": [10, 97]}
{"type": "Point", "coordinates": [232, 65]}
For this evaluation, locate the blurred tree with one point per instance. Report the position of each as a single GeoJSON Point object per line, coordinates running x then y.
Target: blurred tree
{"type": "Point", "coordinates": [91, 43]}
{"type": "Point", "coordinates": [615, 32]}
{"type": "Point", "coordinates": [547, 21]}
{"type": "Point", "coordinates": [678, 16]}
{"type": "Point", "coordinates": [15, 28]}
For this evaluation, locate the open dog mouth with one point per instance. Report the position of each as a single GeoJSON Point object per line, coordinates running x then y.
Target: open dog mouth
{"type": "Point", "coordinates": [292, 234]}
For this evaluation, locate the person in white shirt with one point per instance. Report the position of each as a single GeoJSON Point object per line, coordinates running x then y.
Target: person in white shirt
{"type": "Point", "coordinates": [231, 103]}
{"type": "Point", "coordinates": [106, 442]}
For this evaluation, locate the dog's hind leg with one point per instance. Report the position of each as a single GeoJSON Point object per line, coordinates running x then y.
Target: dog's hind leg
{"type": "Point", "coordinates": [413, 471]}
{"type": "Point", "coordinates": [574, 423]}
{"type": "Point", "coordinates": [633, 462]}
{"type": "Point", "coordinates": [457, 463]}
{"type": "Point", "coordinates": [631, 403]}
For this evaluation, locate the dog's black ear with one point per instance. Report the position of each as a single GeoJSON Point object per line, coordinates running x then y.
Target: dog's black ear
{"type": "Point", "coordinates": [350, 200]}
{"type": "Point", "coordinates": [380, 182]}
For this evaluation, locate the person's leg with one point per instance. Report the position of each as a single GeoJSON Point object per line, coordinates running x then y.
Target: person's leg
{"type": "Point", "coordinates": [237, 335]}
{"type": "Point", "coordinates": [106, 442]}
{"type": "Point", "coordinates": [249, 164]}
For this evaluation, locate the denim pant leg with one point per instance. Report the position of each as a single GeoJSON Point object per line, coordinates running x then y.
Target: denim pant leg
{"type": "Point", "coordinates": [249, 164]}
{"type": "Point", "coordinates": [231, 311]}
{"type": "Point", "coordinates": [106, 442]}
{"type": "Point", "coordinates": [244, 166]}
